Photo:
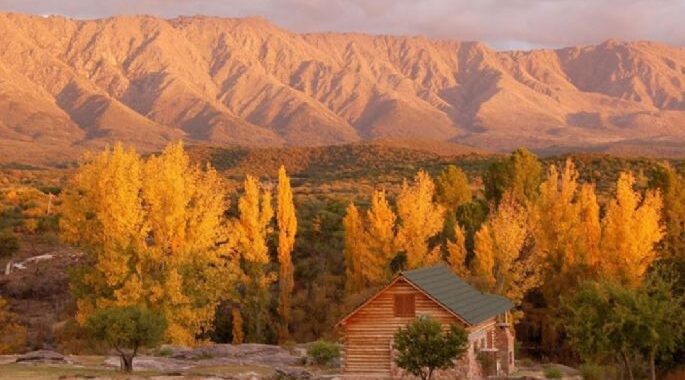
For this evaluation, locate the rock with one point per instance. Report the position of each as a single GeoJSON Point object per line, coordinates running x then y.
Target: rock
{"type": "Point", "coordinates": [43, 356]}
{"type": "Point", "coordinates": [291, 373]}
{"type": "Point", "coordinates": [143, 363]}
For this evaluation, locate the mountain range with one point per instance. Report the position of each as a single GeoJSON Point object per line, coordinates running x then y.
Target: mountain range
{"type": "Point", "coordinates": [69, 85]}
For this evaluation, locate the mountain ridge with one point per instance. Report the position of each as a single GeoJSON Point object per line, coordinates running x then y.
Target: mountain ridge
{"type": "Point", "coordinates": [69, 85]}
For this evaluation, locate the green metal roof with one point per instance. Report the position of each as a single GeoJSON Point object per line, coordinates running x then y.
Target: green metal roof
{"type": "Point", "coordinates": [456, 295]}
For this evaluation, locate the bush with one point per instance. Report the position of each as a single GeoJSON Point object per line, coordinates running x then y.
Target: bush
{"type": "Point", "coordinates": [72, 338]}
{"type": "Point", "coordinates": [164, 351]}
{"type": "Point", "coordinates": [12, 333]}
{"type": "Point", "coordinates": [598, 372]}
{"type": "Point", "coordinates": [553, 373]}
{"type": "Point", "coordinates": [322, 352]}
{"type": "Point", "coordinates": [8, 244]}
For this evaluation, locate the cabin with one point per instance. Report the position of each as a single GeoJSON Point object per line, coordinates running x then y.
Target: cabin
{"type": "Point", "coordinates": [368, 331]}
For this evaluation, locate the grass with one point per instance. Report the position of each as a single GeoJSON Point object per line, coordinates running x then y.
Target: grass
{"type": "Point", "coordinates": [224, 370]}
{"type": "Point", "coordinates": [16, 371]}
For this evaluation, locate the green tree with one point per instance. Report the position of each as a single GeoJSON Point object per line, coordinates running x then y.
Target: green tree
{"type": "Point", "coordinates": [672, 187]}
{"type": "Point", "coordinates": [608, 321]}
{"type": "Point", "coordinates": [127, 329]}
{"type": "Point", "coordinates": [423, 347]}
{"type": "Point", "coordinates": [452, 188]}
{"type": "Point", "coordinates": [520, 174]}
{"type": "Point", "coordinates": [470, 216]}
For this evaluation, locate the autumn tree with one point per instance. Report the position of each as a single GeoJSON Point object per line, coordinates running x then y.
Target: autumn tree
{"type": "Point", "coordinates": [565, 225]}
{"type": "Point", "coordinates": [501, 262]}
{"type": "Point", "coordinates": [184, 208]}
{"type": "Point", "coordinates": [631, 228]}
{"type": "Point", "coordinates": [456, 253]}
{"type": "Point", "coordinates": [287, 228]}
{"type": "Point", "coordinates": [355, 250]}
{"type": "Point", "coordinates": [420, 220]}
{"type": "Point", "coordinates": [452, 188]}
{"type": "Point", "coordinates": [379, 240]}
{"type": "Point", "coordinates": [251, 230]}
{"type": "Point", "coordinates": [566, 229]}
{"type": "Point", "coordinates": [151, 230]}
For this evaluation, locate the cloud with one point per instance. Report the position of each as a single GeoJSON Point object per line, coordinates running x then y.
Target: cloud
{"type": "Point", "coordinates": [501, 23]}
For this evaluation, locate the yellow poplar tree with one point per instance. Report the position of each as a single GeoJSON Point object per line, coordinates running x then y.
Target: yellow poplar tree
{"type": "Point", "coordinates": [456, 253]}
{"type": "Point", "coordinates": [185, 208]}
{"type": "Point", "coordinates": [252, 229]}
{"type": "Point", "coordinates": [379, 240]}
{"type": "Point", "coordinates": [103, 215]}
{"type": "Point", "coordinates": [630, 230]}
{"type": "Point", "coordinates": [421, 219]}
{"type": "Point", "coordinates": [590, 227]}
{"type": "Point", "coordinates": [500, 262]}
{"type": "Point", "coordinates": [287, 228]}
{"type": "Point", "coordinates": [355, 250]}
{"type": "Point", "coordinates": [152, 231]}
{"type": "Point", "coordinates": [565, 226]}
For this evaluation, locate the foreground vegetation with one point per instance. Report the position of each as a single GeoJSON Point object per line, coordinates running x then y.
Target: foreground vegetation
{"type": "Point", "coordinates": [203, 247]}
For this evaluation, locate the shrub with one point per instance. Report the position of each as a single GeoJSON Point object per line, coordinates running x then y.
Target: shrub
{"type": "Point", "coordinates": [8, 244]}
{"type": "Point", "coordinates": [164, 351]}
{"type": "Point", "coordinates": [553, 373]}
{"type": "Point", "coordinates": [598, 372]}
{"type": "Point", "coordinates": [72, 338]}
{"type": "Point", "coordinates": [12, 333]}
{"type": "Point", "coordinates": [323, 352]}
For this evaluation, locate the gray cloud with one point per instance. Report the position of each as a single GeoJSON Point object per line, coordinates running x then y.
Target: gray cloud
{"type": "Point", "coordinates": [501, 23]}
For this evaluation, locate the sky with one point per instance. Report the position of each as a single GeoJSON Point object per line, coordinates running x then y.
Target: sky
{"type": "Point", "coordinates": [503, 24]}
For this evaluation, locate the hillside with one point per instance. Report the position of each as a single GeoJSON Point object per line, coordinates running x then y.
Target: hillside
{"type": "Point", "coordinates": [67, 85]}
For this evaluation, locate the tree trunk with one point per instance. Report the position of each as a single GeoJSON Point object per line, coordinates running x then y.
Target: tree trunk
{"type": "Point", "coordinates": [127, 363]}
{"type": "Point", "coordinates": [652, 364]}
{"type": "Point", "coordinates": [430, 374]}
{"type": "Point", "coordinates": [626, 362]}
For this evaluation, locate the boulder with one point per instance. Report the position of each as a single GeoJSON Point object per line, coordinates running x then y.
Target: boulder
{"type": "Point", "coordinates": [43, 356]}
{"type": "Point", "coordinates": [292, 373]}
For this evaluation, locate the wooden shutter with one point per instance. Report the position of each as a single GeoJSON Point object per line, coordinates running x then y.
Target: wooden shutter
{"type": "Point", "coordinates": [404, 305]}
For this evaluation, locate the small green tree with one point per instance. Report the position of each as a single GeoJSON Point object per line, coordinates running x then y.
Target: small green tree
{"type": "Point", "coordinates": [126, 329]}
{"type": "Point", "coordinates": [423, 347]}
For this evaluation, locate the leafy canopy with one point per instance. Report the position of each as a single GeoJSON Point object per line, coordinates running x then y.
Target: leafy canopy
{"type": "Point", "coordinates": [422, 346]}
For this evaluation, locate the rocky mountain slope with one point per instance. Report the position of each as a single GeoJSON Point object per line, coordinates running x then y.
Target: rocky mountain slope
{"type": "Point", "coordinates": [67, 85]}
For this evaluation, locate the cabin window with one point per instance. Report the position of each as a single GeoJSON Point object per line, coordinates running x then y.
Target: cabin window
{"type": "Point", "coordinates": [404, 305]}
